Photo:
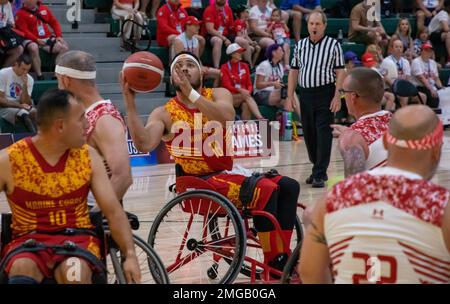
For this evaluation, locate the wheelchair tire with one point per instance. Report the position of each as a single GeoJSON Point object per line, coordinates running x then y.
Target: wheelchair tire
{"type": "Point", "coordinates": [290, 273]}
{"type": "Point", "coordinates": [152, 269]}
{"type": "Point", "coordinates": [174, 233]}
{"type": "Point", "coordinates": [247, 270]}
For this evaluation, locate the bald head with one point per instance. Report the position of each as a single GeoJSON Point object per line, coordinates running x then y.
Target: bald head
{"type": "Point", "coordinates": [413, 122]}
{"type": "Point", "coordinates": [78, 60]}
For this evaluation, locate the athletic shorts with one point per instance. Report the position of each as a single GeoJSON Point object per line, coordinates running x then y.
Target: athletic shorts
{"type": "Point", "coordinates": [46, 259]}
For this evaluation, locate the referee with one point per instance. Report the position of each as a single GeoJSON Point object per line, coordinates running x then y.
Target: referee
{"type": "Point", "coordinates": [318, 66]}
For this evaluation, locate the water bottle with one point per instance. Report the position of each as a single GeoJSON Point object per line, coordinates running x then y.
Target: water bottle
{"type": "Point", "coordinates": [287, 117]}
{"type": "Point", "coordinates": [340, 37]}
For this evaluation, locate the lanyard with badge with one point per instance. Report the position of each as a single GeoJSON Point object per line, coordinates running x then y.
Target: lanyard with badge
{"type": "Point", "coordinates": [399, 65]}
{"type": "Point", "coordinates": [224, 21]}
{"type": "Point", "coordinates": [189, 48]}
{"type": "Point", "coordinates": [429, 74]}
{"type": "Point", "coordinates": [178, 26]}
{"type": "Point", "coordinates": [276, 72]}
{"type": "Point", "coordinates": [236, 85]}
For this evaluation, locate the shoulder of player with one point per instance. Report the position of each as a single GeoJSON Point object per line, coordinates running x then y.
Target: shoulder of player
{"type": "Point", "coordinates": [108, 125]}
{"type": "Point", "coordinates": [221, 93]}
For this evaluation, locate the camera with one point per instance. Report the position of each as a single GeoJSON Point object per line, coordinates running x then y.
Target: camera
{"type": "Point", "coordinates": [284, 92]}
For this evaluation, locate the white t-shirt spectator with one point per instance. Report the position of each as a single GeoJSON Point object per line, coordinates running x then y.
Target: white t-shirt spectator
{"type": "Point", "coordinates": [189, 44]}
{"type": "Point", "coordinates": [270, 73]}
{"type": "Point", "coordinates": [262, 17]}
{"type": "Point", "coordinates": [396, 69]}
{"type": "Point", "coordinates": [428, 69]}
{"type": "Point", "coordinates": [6, 15]}
{"type": "Point", "coordinates": [435, 23]}
{"type": "Point", "coordinates": [12, 85]}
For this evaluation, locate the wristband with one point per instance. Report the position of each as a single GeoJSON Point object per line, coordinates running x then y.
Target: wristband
{"type": "Point", "coordinates": [194, 96]}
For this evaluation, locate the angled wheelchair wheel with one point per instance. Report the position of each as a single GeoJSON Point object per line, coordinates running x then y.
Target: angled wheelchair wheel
{"type": "Point", "coordinates": [254, 250]}
{"type": "Point", "coordinates": [201, 234]}
{"type": "Point", "coordinates": [290, 273]}
{"type": "Point", "coordinates": [152, 269]}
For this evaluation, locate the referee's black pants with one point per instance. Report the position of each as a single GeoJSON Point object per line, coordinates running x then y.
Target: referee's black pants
{"type": "Point", "coordinates": [316, 119]}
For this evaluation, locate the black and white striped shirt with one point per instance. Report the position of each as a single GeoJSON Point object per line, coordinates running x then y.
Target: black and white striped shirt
{"type": "Point", "coordinates": [317, 61]}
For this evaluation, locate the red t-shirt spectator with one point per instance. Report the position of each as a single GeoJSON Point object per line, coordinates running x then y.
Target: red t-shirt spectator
{"type": "Point", "coordinates": [222, 19]}
{"type": "Point", "coordinates": [240, 26]}
{"type": "Point", "coordinates": [236, 75]}
{"type": "Point", "coordinates": [33, 28]}
{"type": "Point", "coordinates": [169, 19]}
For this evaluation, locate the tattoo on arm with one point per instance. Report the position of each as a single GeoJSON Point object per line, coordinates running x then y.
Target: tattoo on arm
{"type": "Point", "coordinates": [319, 237]}
{"type": "Point", "coordinates": [354, 160]}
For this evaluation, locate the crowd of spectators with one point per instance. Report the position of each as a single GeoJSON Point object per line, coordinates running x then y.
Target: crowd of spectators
{"type": "Point", "coordinates": [260, 31]}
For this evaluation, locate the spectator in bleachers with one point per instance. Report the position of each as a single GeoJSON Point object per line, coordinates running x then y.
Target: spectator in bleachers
{"type": "Point", "coordinates": [218, 30]}
{"type": "Point", "coordinates": [35, 20]}
{"type": "Point", "coordinates": [439, 29]}
{"type": "Point", "coordinates": [426, 75]}
{"type": "Point", "coordinates": [10, 41]}
{"type": "Point", "coordinates": [260, 15]}
{"type": "Point", "coordinates": [351, 60]}
{"type": "Point", "coordinates": [16, 86]}
{"type": "Point", "coordinates": [154, 8]}
{"type": "Point", "coordinates": [270, 88]}
{"type": "Point", "coordinates": [297, 9]}
{"type": "Point", "coordinates": [361, 30]}
{"type": "Point", "coordinates": [403, 33]}
{"type": "Point", "coordinates": [397, 67]}
{"type": "Point", "coordinates": [241, 30]}
{"type": "Point", "coordinates": [188, 41]}
{"type": "Point", "coordinates": [422, 37]}
{"type": "Point", "coordinates": [169, 24]}
{"type": "Point", "coordinates": [280, 33]}
{"type": "Point", "coordinates": [426, 10]}
{"type": "Point", "coordinates": [370, 60]}
{"type": "Point", "coordinates": [376, 51]}
{"type": "Point", "coordinates": [128, 10]}
{"type": "Point", "coordinates": [236, 79]}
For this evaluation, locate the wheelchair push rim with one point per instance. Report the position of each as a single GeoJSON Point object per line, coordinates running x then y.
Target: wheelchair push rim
{"type": "Point", "coordinates": [191, 248]}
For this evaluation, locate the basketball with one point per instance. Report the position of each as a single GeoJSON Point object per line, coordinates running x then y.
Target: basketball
{"type": "Point", "coordinates": [143, 71]}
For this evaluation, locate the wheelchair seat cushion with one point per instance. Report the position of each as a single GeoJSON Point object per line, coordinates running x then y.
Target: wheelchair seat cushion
{"type": "Point", "coordinates": [47, 260]}
{"type": "Point", "coordinates": [229, 185]}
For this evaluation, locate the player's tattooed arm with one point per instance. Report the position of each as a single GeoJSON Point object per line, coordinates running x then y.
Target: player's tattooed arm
{"type": "Point", "coordinates": [318, 236]}
{"type": "Point", "coordinates": [354, 160]}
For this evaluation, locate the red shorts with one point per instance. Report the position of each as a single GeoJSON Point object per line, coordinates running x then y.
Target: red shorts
{"type": "Point", "coordinates": [229, 185]}
{"type": "Point", "coordinates": [46, 259]}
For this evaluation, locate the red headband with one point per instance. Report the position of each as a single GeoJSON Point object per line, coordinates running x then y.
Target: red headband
{"type": "Point", "coordinates": [427, 142]}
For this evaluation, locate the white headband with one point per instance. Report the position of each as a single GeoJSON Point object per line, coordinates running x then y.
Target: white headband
{"type": "Point", "coordinates": [184, 56]}
{"type": "Point", "coordinates": [75, 73]}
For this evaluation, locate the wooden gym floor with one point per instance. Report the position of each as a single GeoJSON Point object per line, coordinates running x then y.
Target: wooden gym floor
{"type": "Point", "coordinates": [147, 195]}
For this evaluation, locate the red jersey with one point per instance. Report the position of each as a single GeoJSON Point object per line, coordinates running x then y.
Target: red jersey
{"type": "Point", "coordinates": [34, 28]}
{"type": "Point", "coordinates": [169, 19]}
{"type": "Point", "coordinates": [48, 198]}
{"type": "Point", "coordinates": [236, 75]}
{"type": "Point", "coordinates": [95, 111]}
{"type": "Point", "coordinates": [193, 161]}
{"type": "Point", "coordinates": [222, 19]}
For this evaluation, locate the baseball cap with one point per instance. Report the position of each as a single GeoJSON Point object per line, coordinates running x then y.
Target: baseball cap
{"type": "Point", "coordinates": [234, 47]}
{"type": "Point", "coordinates": [427, 46]}
{"type": "Point", "coordinates": [368, 60]}
{"type": "Point", "coordinates": [349, 55]}
{"type": "Point", "coordinates": [191, 20]}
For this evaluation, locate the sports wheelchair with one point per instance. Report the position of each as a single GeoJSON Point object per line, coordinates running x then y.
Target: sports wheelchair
{"type": "Point", "coordinates": [206, 239]}
{"type": "Point", "coordinates": [108, 269]}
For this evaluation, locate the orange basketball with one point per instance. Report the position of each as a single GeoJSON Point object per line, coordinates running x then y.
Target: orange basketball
{"type": "Point", "coordinates": [143, 71]}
